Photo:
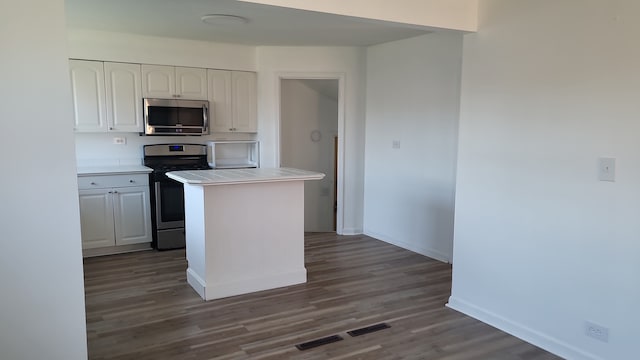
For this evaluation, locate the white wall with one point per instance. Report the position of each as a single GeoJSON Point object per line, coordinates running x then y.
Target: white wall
{"type": "Point", "coordinates": [305, 110]}
{"type": "Point", "coordinates": [447, 14]}
{"type": "Point", "coordinates": [98, 148]}
{"type": "Point", "coordinates": [413, 91]}
{"type": "Point", "coordinates": [273, 62]}
{"type": "Point", "coordinates": [541, 245]}
{"type": "Point", "coordinates": [42, 301]}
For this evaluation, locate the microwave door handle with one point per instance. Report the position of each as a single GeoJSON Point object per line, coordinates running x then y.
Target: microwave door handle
{"type": "Point", "coordinates": [205, 115]}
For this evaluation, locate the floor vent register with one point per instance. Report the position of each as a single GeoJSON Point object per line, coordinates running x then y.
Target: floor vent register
{"type": "Point", "coordinates": [334, 338]}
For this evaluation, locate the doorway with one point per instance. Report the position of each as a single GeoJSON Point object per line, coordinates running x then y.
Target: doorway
{"type": "Point", "coordinates": [309, 140]}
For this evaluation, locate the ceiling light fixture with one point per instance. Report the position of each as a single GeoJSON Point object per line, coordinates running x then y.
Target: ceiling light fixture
{"type": "Point", "coordinates": [224, 19]}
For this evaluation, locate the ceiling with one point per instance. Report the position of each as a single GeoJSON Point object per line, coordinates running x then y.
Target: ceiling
{"type": "Point", "coordinates": [268, 25]}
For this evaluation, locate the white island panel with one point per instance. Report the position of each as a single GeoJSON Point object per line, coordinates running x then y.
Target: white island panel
{"type": "Point", "coordinates": [244, 234]}
{"type": "Point", "coordinates": [195, 237]}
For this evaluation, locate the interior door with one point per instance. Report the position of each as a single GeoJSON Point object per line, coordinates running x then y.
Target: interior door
{"type": "Point", "coordinates": [308, 126]}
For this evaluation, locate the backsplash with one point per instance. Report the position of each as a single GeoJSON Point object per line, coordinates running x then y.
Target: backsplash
{"type": "Point", "coordinates": [99, 149]}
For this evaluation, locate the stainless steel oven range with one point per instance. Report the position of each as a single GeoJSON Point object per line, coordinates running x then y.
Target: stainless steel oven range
{"type": "Point", "coordinates": [167, 199]}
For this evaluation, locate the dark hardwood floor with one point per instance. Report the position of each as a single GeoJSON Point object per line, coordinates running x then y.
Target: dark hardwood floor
{"type": "Point", "coordinates": [139, 306]}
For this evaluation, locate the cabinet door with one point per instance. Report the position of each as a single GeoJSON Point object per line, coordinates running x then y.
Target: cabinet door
{"type": "Point", "coordinates": [132, 215]}
{"type": "Point", "coordinates": [124, 97]}
{"type": "Point", "coordinates": [191, 83]}
{"type": "Point", "coordinates": [220, 107]}
{"type": "Point", "coordinates": [244, 86]}
{"type": "Point", "coordinates": [158, 81]}
{"type": "Point", "coordinates": [96, 218]}
{"type": "Point", "coordinates": [87, 86]}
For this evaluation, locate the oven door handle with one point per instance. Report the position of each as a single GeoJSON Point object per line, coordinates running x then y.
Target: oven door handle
{"type": "Point", "coordinates": [158, 203]}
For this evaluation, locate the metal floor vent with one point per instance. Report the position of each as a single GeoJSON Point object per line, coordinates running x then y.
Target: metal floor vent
{"type": "Point", "coordinates": [368, 329]}
{"type": "Point", "coordinates": [314, 343]}
{"type": "Point", "coordinates": [333, 338]}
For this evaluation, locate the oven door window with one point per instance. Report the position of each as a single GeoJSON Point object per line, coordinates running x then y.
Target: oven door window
{"type": "Point", "coordinates": [171, 202]}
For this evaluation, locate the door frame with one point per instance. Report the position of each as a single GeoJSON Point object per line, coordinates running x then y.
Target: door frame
{"type": "Point", "coordinates": [280, 76]}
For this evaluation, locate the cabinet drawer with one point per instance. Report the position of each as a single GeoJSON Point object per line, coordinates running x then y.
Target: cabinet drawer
{"type": "Point", "coordinates": [110, 181]}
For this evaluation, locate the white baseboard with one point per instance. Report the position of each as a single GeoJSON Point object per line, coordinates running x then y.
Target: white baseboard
{"type": "Point", "coordinates": [525, 333]}
{"type": "Point", "coordinates": [351, 231]}
{"type": "Point", "coordinates": [112, 250]}
{"type": "Point", "coordinates": [213, 291]}
{"type": "Point", "coordinates": [196, 282]}
{"type": "Point", "coordinates": [434, 254]}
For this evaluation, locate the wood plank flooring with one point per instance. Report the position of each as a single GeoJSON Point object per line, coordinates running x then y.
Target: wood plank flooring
{"type": "Point", "coordinates": [139, 306]}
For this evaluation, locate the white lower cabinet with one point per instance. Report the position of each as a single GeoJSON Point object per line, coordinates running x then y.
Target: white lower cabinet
{"type": "Point", "coordinates": [96, 218]}
{"type": "Point", "coordinates": [115, 213]}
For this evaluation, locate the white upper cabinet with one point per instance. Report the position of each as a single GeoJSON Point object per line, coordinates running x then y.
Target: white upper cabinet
{"type": "Point", "coordinates": [191, 83]}
{"type": "Point", "coordinates": [232, 95]}
{"type": "Point", "coordinates": [220, 106]}
{"type": "Point", "coordinates": [108, 96]}
{"type": "Point", "coordinates": [124, 97]}
{"type": "Point", "coordinates": [244, 101]}
{"type": "Point", "coordinates": [165, 82]}
{"type": "Point", "coordinates": [158, 81]}
{"type": "Point", "coordinates": [88, 91]}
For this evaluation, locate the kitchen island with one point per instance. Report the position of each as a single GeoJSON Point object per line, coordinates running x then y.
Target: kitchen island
{"type": "Point", "coordinates": [244, 229]}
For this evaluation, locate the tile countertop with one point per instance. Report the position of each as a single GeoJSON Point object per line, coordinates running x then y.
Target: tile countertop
{"type": "Point", "coordinates": [242, 176]}
{"type": "Point", "coordinates": [112, 170]}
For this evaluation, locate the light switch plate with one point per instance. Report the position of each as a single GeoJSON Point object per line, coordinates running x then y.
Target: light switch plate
{"type": "Point", "coordinates": [607, 169]}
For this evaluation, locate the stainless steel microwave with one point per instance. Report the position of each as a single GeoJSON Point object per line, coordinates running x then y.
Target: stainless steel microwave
{"type": "Point", "coordinates": [176, 117]}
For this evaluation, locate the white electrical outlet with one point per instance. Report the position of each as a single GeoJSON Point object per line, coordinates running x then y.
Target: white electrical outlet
{"type": "Point", "coordinates": [395, 144]}
{"type": "Point", "coordinates": [119, 140]}
{"type": "Point", "coordinates": [596, 331]}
